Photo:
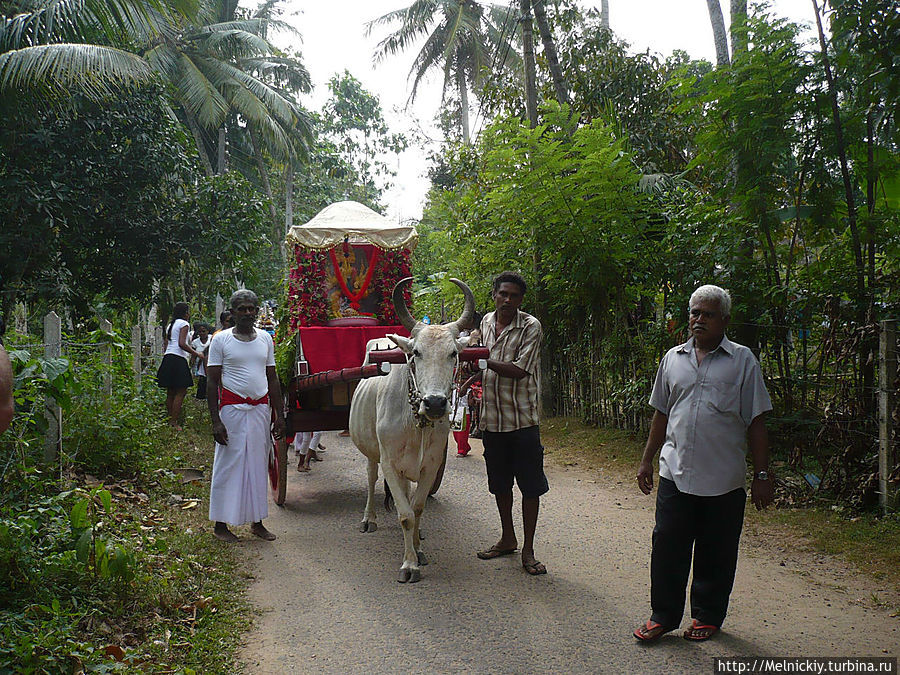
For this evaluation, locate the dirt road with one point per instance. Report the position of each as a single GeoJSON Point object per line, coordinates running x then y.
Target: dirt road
{"type": "Point", "coordinates": [330, 603]}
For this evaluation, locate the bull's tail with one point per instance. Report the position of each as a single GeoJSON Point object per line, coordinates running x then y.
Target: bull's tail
{"type": "Point", "coordinates": [388, 498]}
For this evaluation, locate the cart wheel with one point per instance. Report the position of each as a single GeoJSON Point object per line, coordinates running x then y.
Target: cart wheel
{"type": "Point", "coordinates": [278, 471]}
{"type": "Point", "coordinates": [439, 477]}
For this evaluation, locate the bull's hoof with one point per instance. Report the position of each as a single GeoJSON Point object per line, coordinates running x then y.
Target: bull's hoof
{"type": "Point", "coordinates": [423, 559]}
{"type": "Point", "coordinates": [409, 574]}
{"type": "Point", "coordinates": [368, 526]}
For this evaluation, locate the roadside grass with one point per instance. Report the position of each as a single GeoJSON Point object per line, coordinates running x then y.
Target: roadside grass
{"type": "Point", "coordinates": [868, 543]}
{"type": "Point", "coordinates": [152, 592]}
{"type": "Point", "coordinates": [204, 587]}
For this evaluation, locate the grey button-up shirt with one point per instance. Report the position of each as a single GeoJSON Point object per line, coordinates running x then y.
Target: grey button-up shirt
{"type": "Point", "coordinates": [709, 407]}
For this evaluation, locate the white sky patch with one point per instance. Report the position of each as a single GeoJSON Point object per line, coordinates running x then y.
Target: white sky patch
{"type": "Point", "coordinates": [334, 39]}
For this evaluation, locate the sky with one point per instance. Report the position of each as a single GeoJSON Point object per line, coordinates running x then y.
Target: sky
{"type": "Point", "coordinates": [333, 38]}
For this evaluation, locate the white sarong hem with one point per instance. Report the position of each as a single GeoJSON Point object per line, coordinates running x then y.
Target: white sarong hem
{"type": "Point", "coordinates": [238, 492]}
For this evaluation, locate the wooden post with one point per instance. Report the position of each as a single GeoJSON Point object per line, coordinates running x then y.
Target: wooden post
{"type": "Point", "coordinates": [887, 455]}
{"type": "Point", "coordinates": [158, 345]}
{"type": "Point", "coordinates": [106, 327]}
{"type": "Point", "coordinates": [52, 411]}
{"type": "Point", "coordinates": [136, 355]}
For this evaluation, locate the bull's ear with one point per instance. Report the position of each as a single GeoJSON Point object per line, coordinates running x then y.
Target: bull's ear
{"type": "Point", "coordinates": [403, 342]}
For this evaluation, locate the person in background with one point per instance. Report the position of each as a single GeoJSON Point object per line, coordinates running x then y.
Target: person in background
{"type": "Point", "coordinates": [174, 374]}
{"type": "Point", "coordinates": [462, 417]}
{"type": "Point", "coordinates": [225, 320]}
{"type": "Point", "coordinates": [242, 383]}
{"type": "Point", "coordinates": [305, 445]}
{"type": "Point", "coordinates": [201, 344]}
{"type": "Point", "coordinates": [710, 402]}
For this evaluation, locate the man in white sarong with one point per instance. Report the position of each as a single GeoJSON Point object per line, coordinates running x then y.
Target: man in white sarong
{"type": "Point", "coordinates": [240, 372]}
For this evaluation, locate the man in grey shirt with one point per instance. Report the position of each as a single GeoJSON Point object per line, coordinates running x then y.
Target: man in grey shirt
{"type": "Point", "coordinates": [709, 400]}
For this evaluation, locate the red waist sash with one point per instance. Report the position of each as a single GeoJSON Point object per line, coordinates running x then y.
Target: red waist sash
{"type": "Point", "coordinates": [227, 397]}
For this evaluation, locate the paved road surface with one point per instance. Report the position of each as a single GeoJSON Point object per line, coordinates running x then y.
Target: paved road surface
{"type": "Point", "coordinates": [330, 603]}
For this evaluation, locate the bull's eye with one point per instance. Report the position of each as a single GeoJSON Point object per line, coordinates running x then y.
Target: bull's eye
{"type": "Point", "coordinates": [416, 353]}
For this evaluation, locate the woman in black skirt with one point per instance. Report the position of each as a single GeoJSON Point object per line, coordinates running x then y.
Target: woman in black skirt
{"type": "Point", "coordinates": [174, 374]}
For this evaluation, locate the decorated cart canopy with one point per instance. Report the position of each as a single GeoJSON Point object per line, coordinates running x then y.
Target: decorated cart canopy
{"type": "Point", "coordinates": [346, 261]}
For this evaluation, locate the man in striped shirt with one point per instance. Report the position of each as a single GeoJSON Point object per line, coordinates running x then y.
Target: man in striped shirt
{"type": "Point", "coordinates": [509, 416]}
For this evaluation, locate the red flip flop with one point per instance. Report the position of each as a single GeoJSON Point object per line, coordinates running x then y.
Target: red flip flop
{"type": "Point", "coordinates": [651, 631]}
{"type": "Point", "coordinates": [692, 632]}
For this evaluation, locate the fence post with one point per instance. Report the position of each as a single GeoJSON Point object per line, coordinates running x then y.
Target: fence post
{"type": "Point", "coordinates": [106, 327]}
{"type": "Point", "coordinates": [158, 344]}
{"type": "Point", "coordinates": [220, 307]}
{"type": "Point", "coordinates": [887, 373]}
{"type": "Point", "coordinates": [52, 411]}
{"type": "Point", "coordinates": [136, 355]}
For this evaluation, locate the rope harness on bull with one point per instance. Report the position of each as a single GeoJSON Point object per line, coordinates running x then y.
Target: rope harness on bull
{"type": "Point", "coordinates": [415, 398]}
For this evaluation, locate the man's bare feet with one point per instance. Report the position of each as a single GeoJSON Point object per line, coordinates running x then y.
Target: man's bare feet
{"type": "Point", "coordinates": [260, 531]}
{"type": "Point", "coordinates": [222, 533]}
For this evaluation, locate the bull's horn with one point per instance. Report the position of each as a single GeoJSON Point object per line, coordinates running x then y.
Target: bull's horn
{"type": "Point", "coordinates": [406, 319]}
{"type": "Point", "coordinates": [465, 321]}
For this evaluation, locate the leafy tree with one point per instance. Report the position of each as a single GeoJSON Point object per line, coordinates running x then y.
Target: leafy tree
{"type": "Point", "coordinates": [88, 196]}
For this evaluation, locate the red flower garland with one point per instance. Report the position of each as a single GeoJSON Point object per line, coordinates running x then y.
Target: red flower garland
{"type": "Point", "coordinates": [307, 302]}
{"type": "Point", "coordinates": [393, 266]}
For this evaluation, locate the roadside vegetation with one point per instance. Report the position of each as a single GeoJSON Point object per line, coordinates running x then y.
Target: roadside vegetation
{"type": "Point", "coordinates": [106, 563]}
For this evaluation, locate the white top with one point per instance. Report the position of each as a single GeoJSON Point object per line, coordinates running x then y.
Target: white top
{"type": "Point", "coordinates": [200, 345]}
{"type": "Point", "coordinates": [172, 347]}
{"type": "Point", "coordinates": [243, 363]}
{"type": "Point", "coordinates": [709, 407]}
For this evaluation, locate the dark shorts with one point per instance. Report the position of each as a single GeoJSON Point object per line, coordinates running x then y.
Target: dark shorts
{"type": "Point", "coordinates": [174, 373]}
{"type": "Point", "coordinates": [515, 455]}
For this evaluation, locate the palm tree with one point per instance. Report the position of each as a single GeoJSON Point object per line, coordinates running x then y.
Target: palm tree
{"type": "Point", "coordinates": [218, 68]}
{"type": "Point", "coordinates": [213, 68]}
{"type": "Point", "coordinates": [462, 38]}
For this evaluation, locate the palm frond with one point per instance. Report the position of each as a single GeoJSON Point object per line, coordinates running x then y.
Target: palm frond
{"type": "Point", "coordinates": [230, 43]}
{"type": "Point", "coordinates": [431, 54]}
{"type": "Point", "coordinates": [283, 71]}
{"type": "Point", "coordinates": [416, 22]}
{"type": "Point", "coordinates": [93, 70]}
{"type": "Point", "coordinates": [199, 94]}
{"type": "Point", "coordinates": [55, 21]}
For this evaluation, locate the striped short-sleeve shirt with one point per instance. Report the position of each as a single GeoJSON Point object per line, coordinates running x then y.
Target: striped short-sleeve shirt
{"type": "Point", "coordinates": [508, 404]}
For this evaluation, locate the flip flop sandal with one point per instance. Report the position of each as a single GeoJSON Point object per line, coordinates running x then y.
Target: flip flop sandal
{"type": "Point", "coordinates": [534, 568]}
{"type": "Point", "coordinates": [690, 634]}
{"type": "Point", "coordinates": [651, 631]}
{"type": "Point", "coordinates": [494, 552]}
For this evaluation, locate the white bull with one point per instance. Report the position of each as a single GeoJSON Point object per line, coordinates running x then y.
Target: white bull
{"type": "Point", "coordinates": [401, 420]}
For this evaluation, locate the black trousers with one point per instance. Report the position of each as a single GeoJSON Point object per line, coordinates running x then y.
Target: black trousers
{"type": "Point", "coordinates": [707, 529]}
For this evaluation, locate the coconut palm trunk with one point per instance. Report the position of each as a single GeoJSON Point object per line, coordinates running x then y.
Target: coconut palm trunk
{"type": "Point", "coordinates": [559, 82]}
{"type": "Point", "coordinates": [528, 52]}
{"type": "Point", "coordinates": [738, 23]}
{"type": "Point", "coordinates": [720, 37]}
{"type": "Point", "coordinates": [604, 14]}
{"type": "Point", "coordinates": [463, 105]}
